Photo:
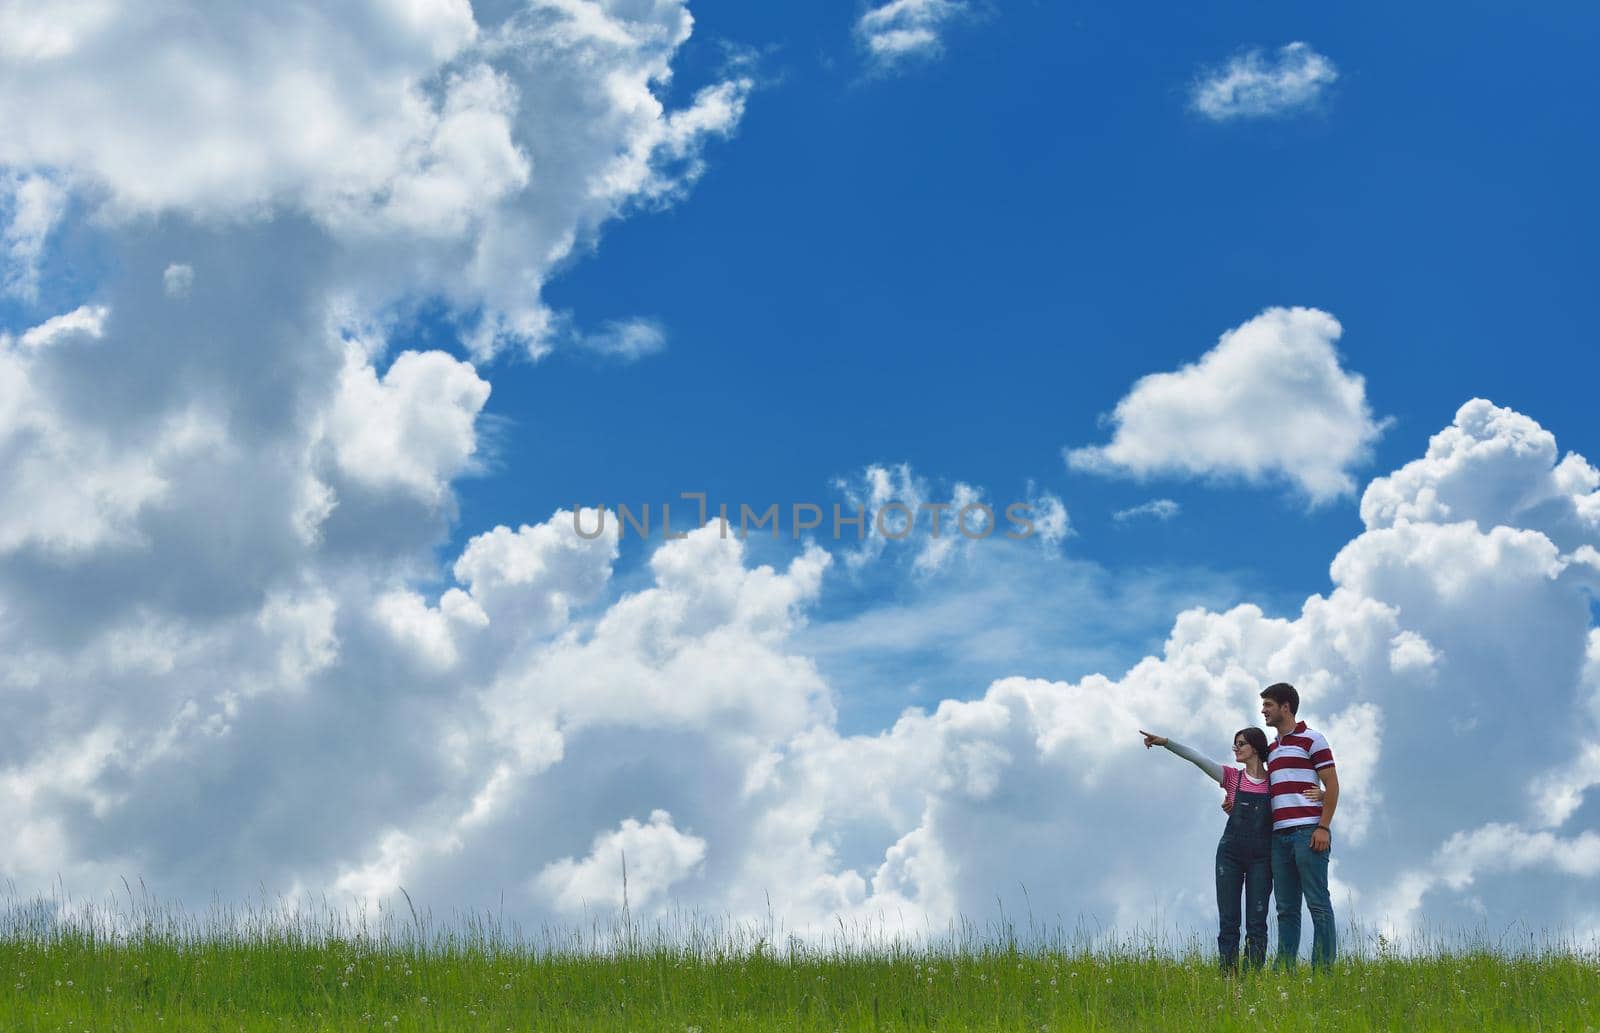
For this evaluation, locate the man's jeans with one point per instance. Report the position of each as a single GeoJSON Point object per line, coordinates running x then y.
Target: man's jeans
{"type": "Point", "coordinates": [1298, 870]}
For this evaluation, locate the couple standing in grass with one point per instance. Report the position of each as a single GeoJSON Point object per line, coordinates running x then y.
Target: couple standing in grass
{"type": "Point", "coordinates": [1277, 839]}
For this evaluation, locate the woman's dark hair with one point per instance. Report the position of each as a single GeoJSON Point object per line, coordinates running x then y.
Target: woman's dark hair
{"type": "Point", "coordinates": [1283, 694]}
{"type": "Point", "coordinates": [1257, 740]}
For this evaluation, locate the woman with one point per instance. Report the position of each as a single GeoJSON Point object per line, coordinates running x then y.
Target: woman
{"type": "Point", "coordinates": [1244, 854]}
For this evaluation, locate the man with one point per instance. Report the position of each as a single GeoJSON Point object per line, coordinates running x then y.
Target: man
{"type": "Point", "coordinates": [1301, 826]}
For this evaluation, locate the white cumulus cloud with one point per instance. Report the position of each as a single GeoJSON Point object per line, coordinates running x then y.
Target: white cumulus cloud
{"type": "Point", "coordinates": [508, 731]}
{"type": "Point", "coordinates": [627, 339]}
{"type": "Point", "coordinates": [897, 508]}
{"type": "Point", "coordinates": [414, 427]}
{"type": "Point", "coordinates": [1270, 402]}
{"type": "Point", "coordinates": [440, 155]}
{"type": "Point", "coordinates": [900, 30]}
{"type": "Point", "coordinates": [1490, 465]}
{"type": "Point", "coordinates": [178, 279]}
{"type": "Point", "coordinates": [643, 859]}
{"type": "Point", "coordinates": [217, 517]}
{"type": "Point", "coordinates": [1254, 85]}
{"type": "Point", "coordinates": [1156, 509]}
{"type": "Point", "coordinates": [31, 204]}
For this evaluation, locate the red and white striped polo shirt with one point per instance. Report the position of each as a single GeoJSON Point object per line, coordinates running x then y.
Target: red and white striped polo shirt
{"type": "Point", "coordinates": [1290, 762]}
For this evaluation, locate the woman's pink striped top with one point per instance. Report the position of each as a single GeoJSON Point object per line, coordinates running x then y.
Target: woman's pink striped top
{"type": "Point", "coordinates": [1235, 780]}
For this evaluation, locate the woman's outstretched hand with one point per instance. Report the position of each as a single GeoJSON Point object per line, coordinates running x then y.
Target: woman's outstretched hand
{"type": "Point", "coordinates": [1152, 740]}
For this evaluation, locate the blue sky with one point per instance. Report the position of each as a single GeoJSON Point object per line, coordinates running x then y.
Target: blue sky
{"type": "Point", "coordinates": [964, 265]}
{"type": "Point", "coordinates": [314, 325]}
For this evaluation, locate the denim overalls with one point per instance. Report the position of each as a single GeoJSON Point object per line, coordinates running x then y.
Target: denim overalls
{"type": "Point", "coordinates": [1244, 860]}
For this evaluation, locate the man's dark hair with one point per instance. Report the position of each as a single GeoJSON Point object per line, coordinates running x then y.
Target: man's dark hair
{"type": "Point", "coordinates": [1283, 694]}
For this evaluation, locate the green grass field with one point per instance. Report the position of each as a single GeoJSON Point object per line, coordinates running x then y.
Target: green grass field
{"type": "Point", "coordinates": [253, 975]}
